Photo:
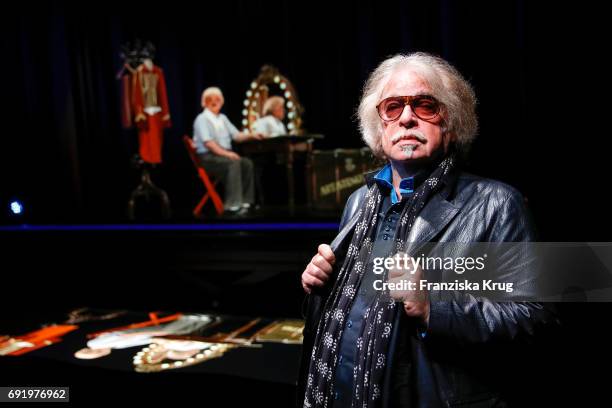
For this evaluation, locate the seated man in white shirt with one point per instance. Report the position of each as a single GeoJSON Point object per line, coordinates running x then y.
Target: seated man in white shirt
{"type": "Point", "coordinates": [213, 134]}
{"type": "Point", "coordinates": [271, 124]}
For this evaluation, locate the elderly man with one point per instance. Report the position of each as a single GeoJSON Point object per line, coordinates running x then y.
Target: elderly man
{"type": "Point", "coordinates": [213, 134]}
{"type": "Point", "coordinates": [360, 350]}
{"type": "Point", "coordinates": [271, 124]}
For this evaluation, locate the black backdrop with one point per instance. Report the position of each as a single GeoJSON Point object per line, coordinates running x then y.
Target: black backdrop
{"type": "Point", "coordinates": [539, 70]}
{"type": "Point", "coordinates": [535, 69]}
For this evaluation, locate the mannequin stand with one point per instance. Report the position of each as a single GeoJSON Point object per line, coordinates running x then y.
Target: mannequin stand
{"type": "Point", "coordinates": [147, 189]}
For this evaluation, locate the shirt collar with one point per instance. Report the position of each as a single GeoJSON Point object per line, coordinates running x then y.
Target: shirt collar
{"type": "Point", "coordinates": [216, 120]}
{"type": "Point", "coordinates": [211, 115]}
{"type": "Point", "coordinates": [384, 179]}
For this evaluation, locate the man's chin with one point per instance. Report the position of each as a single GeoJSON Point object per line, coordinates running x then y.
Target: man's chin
{"type": "Point", "coordinates": [410, 156]}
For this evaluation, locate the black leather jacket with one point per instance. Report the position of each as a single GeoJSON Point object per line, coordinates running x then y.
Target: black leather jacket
{"type": "Point", "coordinates": [472, 348]}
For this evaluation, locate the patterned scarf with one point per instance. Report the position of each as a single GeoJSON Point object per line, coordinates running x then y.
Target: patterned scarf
{"type": "Point", "coordinates": [373, 341]}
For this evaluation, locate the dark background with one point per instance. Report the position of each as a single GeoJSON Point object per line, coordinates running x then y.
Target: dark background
{"type": "Point", "coordinates": [539, 71]}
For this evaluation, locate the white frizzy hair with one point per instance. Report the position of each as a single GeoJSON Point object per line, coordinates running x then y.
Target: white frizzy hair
{"type": "Point", "coordinates": [271, 104]}
{"type": "Point", "coordinates": [447, 86]}
{"type": "Point", "coordinates": [208, 92]}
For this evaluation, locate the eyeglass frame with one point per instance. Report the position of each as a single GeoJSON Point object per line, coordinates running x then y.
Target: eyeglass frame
{"type": "Point", "coordinates": [408, 101]}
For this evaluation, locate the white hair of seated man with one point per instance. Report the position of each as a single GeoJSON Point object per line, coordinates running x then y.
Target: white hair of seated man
{"type": "Point", "coordinates": [210, 91]}
{"type": "Point", "coordinates": [272, 103]}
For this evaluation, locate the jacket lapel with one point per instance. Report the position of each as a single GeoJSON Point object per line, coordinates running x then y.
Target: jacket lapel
{"type": "Point", "coordinates": [434, 217]}
{"type": "Point", "coordinates": [345, 233]}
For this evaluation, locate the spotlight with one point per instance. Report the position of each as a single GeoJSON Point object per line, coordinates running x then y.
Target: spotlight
{"type": "Point", "coordinates": [16, 207]}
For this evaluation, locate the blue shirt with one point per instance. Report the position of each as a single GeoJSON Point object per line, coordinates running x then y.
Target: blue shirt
{"type": "Point", "coordinates": [208, 126]}
{"type": "Point", "coordinates": [384, 179]}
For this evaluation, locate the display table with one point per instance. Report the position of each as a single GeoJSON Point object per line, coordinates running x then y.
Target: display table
{"type": "Point", "coordinates": [286, 146]}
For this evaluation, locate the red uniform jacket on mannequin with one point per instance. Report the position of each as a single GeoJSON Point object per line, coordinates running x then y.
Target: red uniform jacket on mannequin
{"type": "Point", "coordinates": [127, 105]}
{"type": "Point", "coordinates": [151, 112]}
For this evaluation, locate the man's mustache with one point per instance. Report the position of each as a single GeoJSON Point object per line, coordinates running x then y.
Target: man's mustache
{"type": "Point", "coordinates": [405, 134]}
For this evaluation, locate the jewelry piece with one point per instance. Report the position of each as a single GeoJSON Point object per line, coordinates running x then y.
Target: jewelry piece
{"type": "Point", "coordinates": [155, 357]}
{"type": "Point", "coordinates": [90, 354]}
{"type": "Point", "coordinates": [142, 335]}
{"type": "Point", "coordinates": [282, 331]}
{"type": "Point", "coordinates": [181, 355]}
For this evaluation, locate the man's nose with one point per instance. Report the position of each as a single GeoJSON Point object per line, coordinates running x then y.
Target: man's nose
{"type": "Point", "coordinates": [407, 118]}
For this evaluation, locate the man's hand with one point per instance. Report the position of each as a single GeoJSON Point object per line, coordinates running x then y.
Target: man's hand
{"type": "Point", "coordinates": [232, 155]}
{"type": "Point", "coordinates": [416, 301]}
{"type": "Point", "coordinates": [220, 151]}
{"type": "Point", "coordinates": [419, 310]}
{"type": "Point", "coordinates": [245, 136]}
{"type": "Point", "coordinates": [319, 269]}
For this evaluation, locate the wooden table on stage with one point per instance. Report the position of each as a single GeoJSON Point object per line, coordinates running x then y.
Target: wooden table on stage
{"type": "Point", "coordinates": [285, 145]}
